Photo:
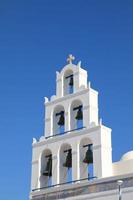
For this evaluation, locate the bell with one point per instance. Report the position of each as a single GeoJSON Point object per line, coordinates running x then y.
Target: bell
{"type": "Point", "coordinates": [79, 115]}
{"type": "Point", "coordinates": [89, 156]}
{"type": "Point", "coordinates": [68, 162]}
{"type": "Point", "coordinates": [48, 169]}
{"type": "Point", "coordinates": [71, 81]}
{"type": "Point", "coordinates": [61, 120]}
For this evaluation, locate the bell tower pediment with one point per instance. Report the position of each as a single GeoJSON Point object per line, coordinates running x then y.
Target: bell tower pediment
{"type": "Point", "coordinates": [75, 146]}
{"type": "Point", "coordinates": [74, 97]}
{"type": "Point", "coordinates": [70, 79]}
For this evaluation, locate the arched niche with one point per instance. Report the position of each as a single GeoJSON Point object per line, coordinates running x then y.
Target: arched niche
{"type": "Point", "coordinates": [76, 115]}
{"type": "Point", "coordinates": [68, 82]}
{"type": "Point", "coordinates": [59, 120]}
{"type": "Point", "coordinates": [65, 172]}
{"type": "Point", "coordinates": [45, 171]}
{"type": "Point", "coordinates": [86, 158]}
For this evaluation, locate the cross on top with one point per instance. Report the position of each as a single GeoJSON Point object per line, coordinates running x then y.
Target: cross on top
{"type": "Point", "coordinates": [70, 58]}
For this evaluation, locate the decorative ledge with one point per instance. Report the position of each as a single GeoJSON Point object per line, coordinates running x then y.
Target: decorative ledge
{"type": "Point", "coordinates": [59, 134]}
{"type": "Point", "coordinates": [77, 189]}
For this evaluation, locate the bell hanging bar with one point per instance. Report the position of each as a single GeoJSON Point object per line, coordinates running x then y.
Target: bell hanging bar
{"type": "Point", "coordinates": [69, 76]}
{"type": "Point", "coordinates": [48, 169]}
{"type": "Point", "coordinates": [68, 162]}
{"type": "Point", "coordinates": [60, 113]}
{"type": "Point", "coordinates": [65, 151]}
{"type": "Point", "coordinates": [78, 107]}
{"type": "Point", "coordinates": [87, 145]}
{"type": "Point", "coordinates": [71, 79]}
{"type": "Point", "coordinates": [89, 154]}
{"type": "Point", "coordinates": [47, 156]}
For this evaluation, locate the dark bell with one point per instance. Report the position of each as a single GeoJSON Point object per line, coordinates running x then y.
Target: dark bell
{"type": "Point", "coordinates": [79, 115]}
{"type": "Point", "coordinates": [68, 162]}
{"type": "Point", "coordinates": [61, 120]}
{"type": "Point", "coordinates": [48, 169]}
{"type": "Point", "coordinates": [71, 81]}
{"type": "Point", "coordinates": [88, 157]}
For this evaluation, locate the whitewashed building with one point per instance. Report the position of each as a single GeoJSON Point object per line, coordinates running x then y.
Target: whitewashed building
{"type": "Point", "coordinates": [73, 160]}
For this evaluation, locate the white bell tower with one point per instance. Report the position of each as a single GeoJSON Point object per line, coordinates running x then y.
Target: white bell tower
{"type": "Point", "coordinates": [75, 146]}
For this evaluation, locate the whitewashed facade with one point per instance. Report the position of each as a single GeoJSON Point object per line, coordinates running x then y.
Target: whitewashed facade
{"type": "Point", "coordinates": [101, 183]}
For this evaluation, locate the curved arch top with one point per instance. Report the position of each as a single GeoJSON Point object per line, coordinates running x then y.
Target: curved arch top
{"type": "Point", "coordinates": [68, 67]}
{"type": "Point", "coordinates": [79, 79]}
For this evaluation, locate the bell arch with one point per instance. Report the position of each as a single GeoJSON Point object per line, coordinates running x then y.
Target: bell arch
{"type": "Point", "coordinates": [86, 158]}
{"type": "Point", "coordinates": [65, 163]}
{"type": "Point", "coordinates": [46, 168]}
{"type": "Point", "coordinates": [68, 82]}
{"type": "Point", "coordinates": [76, 114]}
{"type": "Point", "coordinates": [58, 120]}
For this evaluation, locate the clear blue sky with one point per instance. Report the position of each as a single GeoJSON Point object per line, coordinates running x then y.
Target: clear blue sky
{"type": "Point", "coordinates": [35, 38]}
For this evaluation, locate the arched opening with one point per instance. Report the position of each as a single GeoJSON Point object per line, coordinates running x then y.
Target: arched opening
{"type": "Point", "coordinates": [68, 82]}
{"type": "Point", "coordinates": [76, 115]}
{"type": "Point", "coordinates": [86, 159]}
{"type": "Point", "coordinates": [65, 163]}
{"type": "Point", "coordinates": [59, 120]}
{"type": "Point", "coordinates": [46, 169]}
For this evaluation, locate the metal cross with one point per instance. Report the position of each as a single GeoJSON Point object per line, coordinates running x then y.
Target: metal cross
{"type": "Point", "coordinates": [70, 58]}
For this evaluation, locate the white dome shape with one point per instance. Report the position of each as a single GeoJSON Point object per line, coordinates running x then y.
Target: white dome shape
{"type": "Point", "coordinates": [127, 156]}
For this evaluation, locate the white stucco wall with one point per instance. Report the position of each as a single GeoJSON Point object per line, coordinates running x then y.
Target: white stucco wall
{"type": "Point", "coordinates": [94, 132]}
{"type": "Point", "coordinates": [127, 194]}
{"type": "Point", "coordinates": [100, 138]}
{"type": "Point", "coordinates": [122, 167]}
{"type": "Point", "coordinates": [99, 189]}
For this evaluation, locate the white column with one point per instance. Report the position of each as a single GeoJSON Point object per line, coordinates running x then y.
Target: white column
{"type": "Point", "coordinates": [75, 161]}
{"type": "Point", "coordinates": [59, 85]}
{"type": "Point", "coordinates": [97, 161]}
{"type": "Point", "coordinates": [83, 167]}
{"type": "Point", "coordinates": [102, 153]}
{"type": "Point", "coordinates": [86, 116]}
{"type": "Point", "coordinates": [67, 121]}
{"type": "Point", "coordinates": [55, 169]}
{"type": "Point", "coordinates": [35, 183]}
{"type": "Point", "coordinates": [48, 130]}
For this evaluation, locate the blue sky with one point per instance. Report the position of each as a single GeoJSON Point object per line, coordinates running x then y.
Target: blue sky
{"type": "Point", "coordinates": [35, 38]}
